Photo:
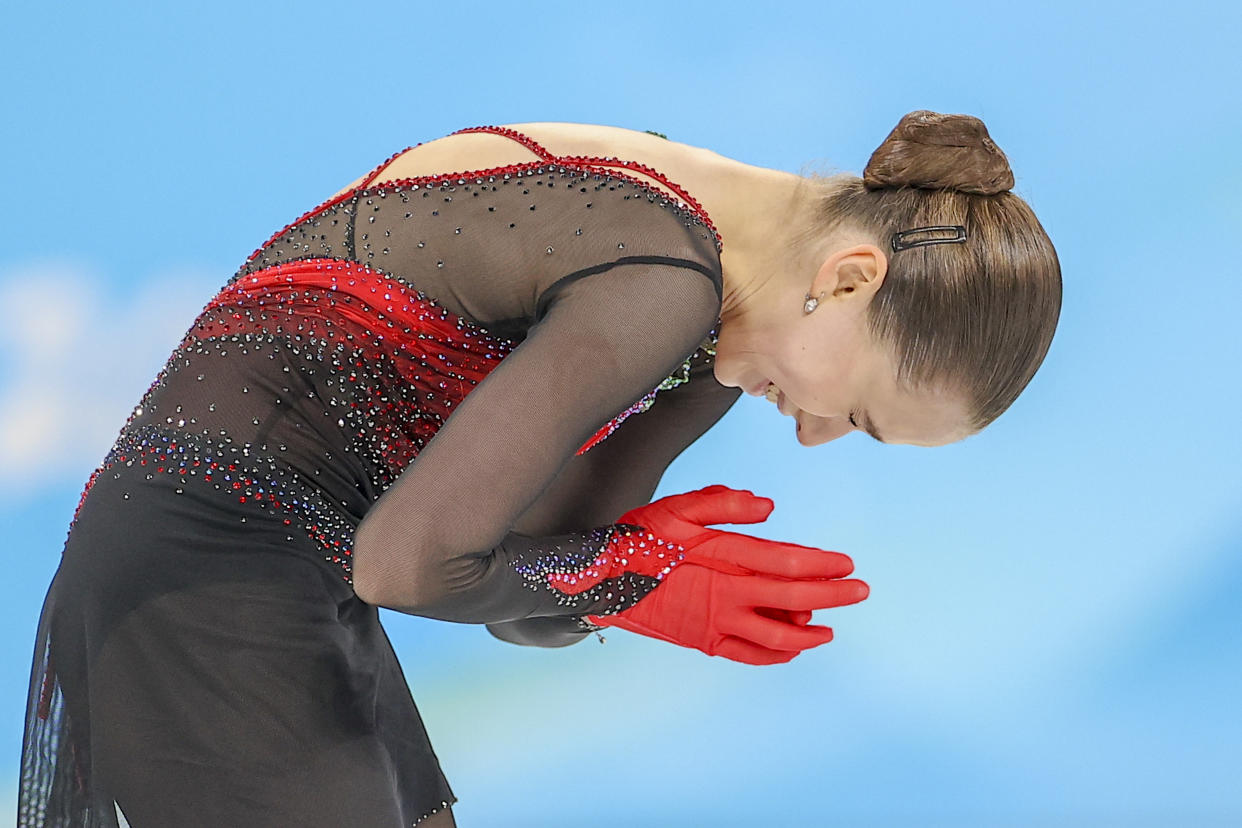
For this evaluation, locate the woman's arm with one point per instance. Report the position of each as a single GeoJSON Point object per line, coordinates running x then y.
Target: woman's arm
{"type": "Point", "coordinates": [440, 542]}
{"type": "Point", "coordinates": [615, 476]}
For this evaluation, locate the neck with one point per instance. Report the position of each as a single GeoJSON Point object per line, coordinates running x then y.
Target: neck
{"type": "Point", "coordinates": [760, 214]}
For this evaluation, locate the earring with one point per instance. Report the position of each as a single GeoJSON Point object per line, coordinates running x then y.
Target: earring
{"type": "Point", "coordinates": [811, 304]}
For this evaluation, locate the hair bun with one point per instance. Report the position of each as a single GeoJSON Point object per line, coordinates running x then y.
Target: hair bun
{"type": "Point", "coordinates": [934, 151]}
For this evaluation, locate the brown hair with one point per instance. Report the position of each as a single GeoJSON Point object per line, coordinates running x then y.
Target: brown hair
{"type": "Point", "coordinates": [975, 318]}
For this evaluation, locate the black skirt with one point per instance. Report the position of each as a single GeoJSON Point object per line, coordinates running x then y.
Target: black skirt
{"type": "Point", "coordinates": [192, 668]}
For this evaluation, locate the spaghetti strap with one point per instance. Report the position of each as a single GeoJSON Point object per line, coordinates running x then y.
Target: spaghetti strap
{"type": "Point", "coordinates": [366, 182]}
{"type": "Point", "coordinates": [525, 140]}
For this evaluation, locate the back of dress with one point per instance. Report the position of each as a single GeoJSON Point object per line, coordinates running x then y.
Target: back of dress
{"type": "Point", "coordinates": [521, 316]}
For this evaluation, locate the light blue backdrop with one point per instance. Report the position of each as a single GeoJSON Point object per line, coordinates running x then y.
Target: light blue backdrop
{"type": "Point", "coordinates": [1052, 632]}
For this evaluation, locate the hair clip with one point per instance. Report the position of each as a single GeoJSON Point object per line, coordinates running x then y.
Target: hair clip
{"type": "Point", "coordinates": [899, 242]}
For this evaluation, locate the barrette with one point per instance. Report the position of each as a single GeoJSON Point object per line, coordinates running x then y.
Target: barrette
{"type": "Point", "coordinates": [899, 242]}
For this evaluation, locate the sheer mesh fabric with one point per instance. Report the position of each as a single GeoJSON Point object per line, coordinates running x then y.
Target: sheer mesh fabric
{"type": "Point", "coordinates": [204, 626]}
{"type": "Point", "coordinates": [619, 474]}
{"type": "Point", "coordinates": [441, 535]}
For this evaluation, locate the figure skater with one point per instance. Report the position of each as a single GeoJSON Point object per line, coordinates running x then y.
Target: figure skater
{"type": "Point", "coordinates": [451, 390]}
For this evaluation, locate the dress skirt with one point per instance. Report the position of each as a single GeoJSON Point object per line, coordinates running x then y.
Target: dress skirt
{"type": "Point", "coordinates": [194, 668]}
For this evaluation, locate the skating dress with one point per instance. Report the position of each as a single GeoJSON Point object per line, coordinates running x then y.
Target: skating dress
{"type": "Point", "coordinates": [202, 658]}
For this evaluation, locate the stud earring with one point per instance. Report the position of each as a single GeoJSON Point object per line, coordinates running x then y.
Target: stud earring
{"type": "Point", "coordinates": [811, 303]}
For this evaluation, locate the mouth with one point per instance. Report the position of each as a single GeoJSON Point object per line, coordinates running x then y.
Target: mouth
{"type": "Point", "coordinates": [776, 395]}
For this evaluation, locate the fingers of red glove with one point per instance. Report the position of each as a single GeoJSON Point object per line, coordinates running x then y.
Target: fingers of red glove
{"type": "Point", "coordinates": [804, 595]}
{"type": "Point", "coordinates": [698, 607]}
{"type": "Point", "coordinates": [779, 635]}
{"type": "Point", "coordinates": [802, 617]}
{"type": "Point", "coordinates": [748, 652]}
{"type": "Point", "coordinates": [709, 505]}
{"type": "Point", "coordinates": [736, 553]}
{"type": "Point", "coordinates": [729, 646]}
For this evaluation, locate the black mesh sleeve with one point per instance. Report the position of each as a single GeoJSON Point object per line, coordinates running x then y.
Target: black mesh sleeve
{"type": "Point", "coordinates": [440, 542]}
{"type": "Point", "coordinates": [617, 475]}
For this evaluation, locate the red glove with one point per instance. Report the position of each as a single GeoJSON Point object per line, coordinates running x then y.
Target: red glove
{"type": "Point", "coordinates": [723, 593]}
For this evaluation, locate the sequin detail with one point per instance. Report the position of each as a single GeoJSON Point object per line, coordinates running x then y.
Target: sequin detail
{"type": "Point", "coordinates": [681, 375]}
{"type": "Point", "coordinates": [586, 625]}
{"type": "Point", "coordinates": [308, 244]}
{"type": "Point", "coordinates": [443, 804]}
{"type": "Point", "coordinates": [606, 569]}
{"type": "Point", "coordinates": [445, 182]}
{"type": "Point", "coordinates": [392, 366]}
{"type": "Point", "coordinates": [258, 484]}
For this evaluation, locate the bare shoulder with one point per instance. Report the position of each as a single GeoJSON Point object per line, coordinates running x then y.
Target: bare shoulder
{"type": "Point", "coordinates": [561, 138]}
{"type": "Point", "coordinates": [575, 131]}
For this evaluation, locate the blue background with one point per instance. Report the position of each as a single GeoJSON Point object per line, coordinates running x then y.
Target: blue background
{"type": "Point", "coordinates": [1052, 632]}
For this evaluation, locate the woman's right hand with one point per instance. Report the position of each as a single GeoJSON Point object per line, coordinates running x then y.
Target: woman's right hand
{"type": "Point", "coordinates": [720, 614]}
{"type": "Point", "coordinates": [725, 593]}
{"type": "Point", "coordinates": [684, 518]}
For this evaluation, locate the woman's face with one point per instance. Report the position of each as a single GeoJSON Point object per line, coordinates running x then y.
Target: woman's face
{"type": "Point", "coordinates": [821, 368]}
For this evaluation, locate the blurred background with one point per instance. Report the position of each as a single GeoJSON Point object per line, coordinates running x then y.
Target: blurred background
{"type": "Point", "coordinates": [1052, 632]}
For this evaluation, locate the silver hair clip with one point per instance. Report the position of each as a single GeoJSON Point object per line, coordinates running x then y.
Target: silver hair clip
{"type": "Point", "coordinates": [899, 242]}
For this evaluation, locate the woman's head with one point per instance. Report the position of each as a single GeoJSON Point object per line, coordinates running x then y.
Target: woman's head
{"type": "Point", "coordinates": [933, 341]}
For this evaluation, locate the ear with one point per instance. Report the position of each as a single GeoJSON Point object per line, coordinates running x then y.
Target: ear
{"type": "Point", "coordinates": [851, 272]}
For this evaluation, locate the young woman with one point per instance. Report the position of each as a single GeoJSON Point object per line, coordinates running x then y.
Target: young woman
{"type": "Point", "coordinates": [451, 390]}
